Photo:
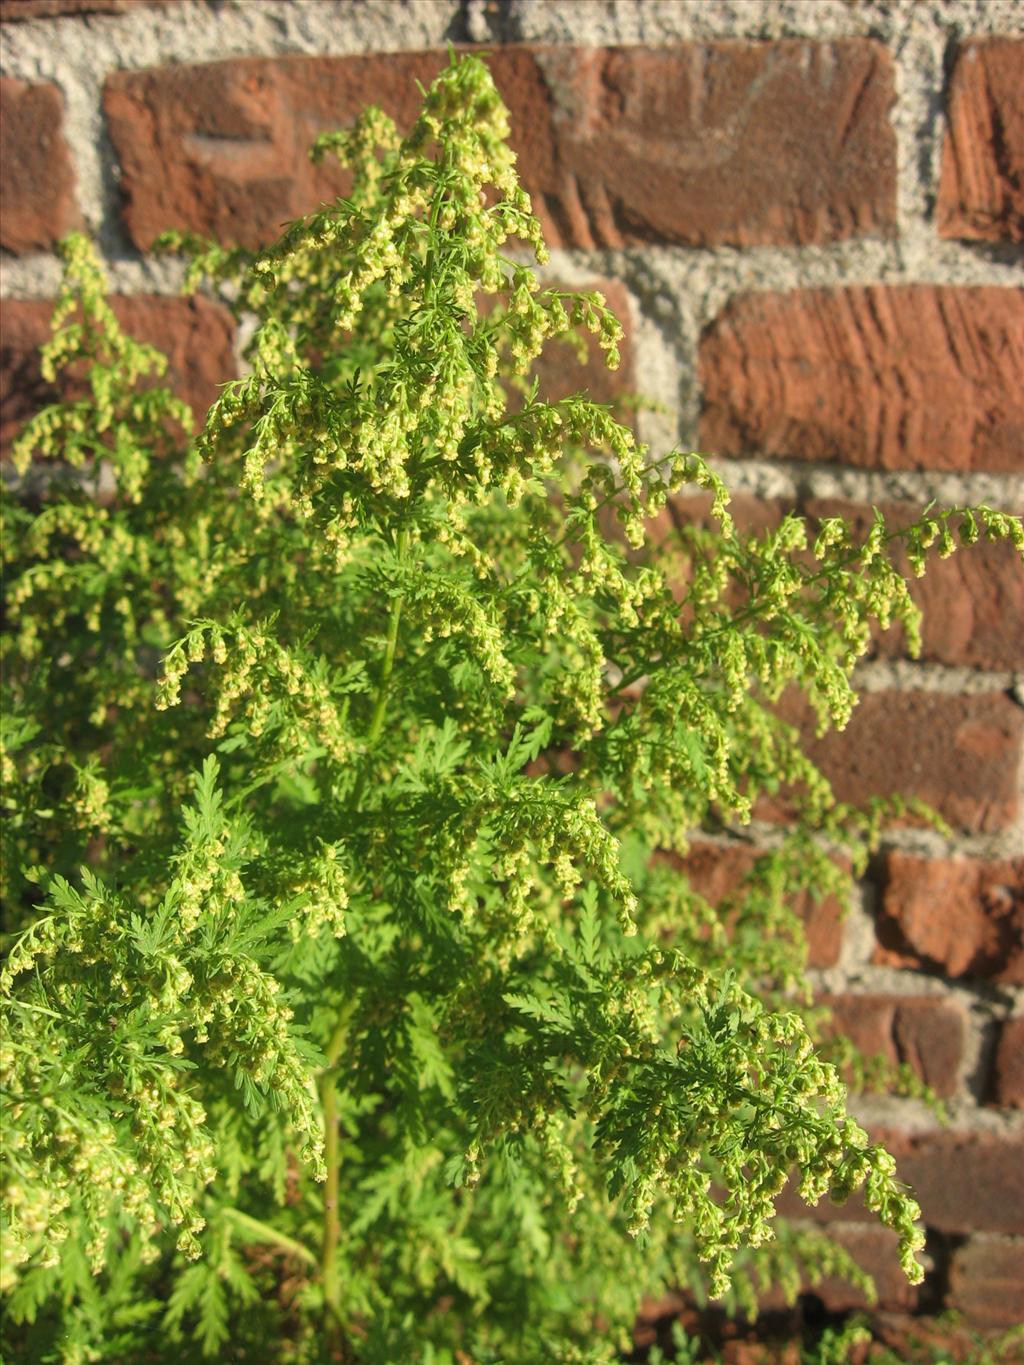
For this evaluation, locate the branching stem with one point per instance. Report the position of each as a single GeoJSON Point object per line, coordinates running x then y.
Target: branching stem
{"type": "Point", "coordinates": [262, 1233]}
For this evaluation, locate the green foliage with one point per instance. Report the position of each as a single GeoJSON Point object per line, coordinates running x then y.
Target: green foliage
{"type": "Point", "coordinates": [355, 1008]}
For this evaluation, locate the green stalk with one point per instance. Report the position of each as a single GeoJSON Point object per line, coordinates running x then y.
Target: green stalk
{"type": "Point", "coordinates": [384, 682]}
{"type": "Point", "coordinates": [263, 1233]}
{"type": "Point", "coordinates": [332, 1218]}
{"type": "Point", "coordinates": [328, 1088]}
{"type": "Point", "coordinates": [380, 710]}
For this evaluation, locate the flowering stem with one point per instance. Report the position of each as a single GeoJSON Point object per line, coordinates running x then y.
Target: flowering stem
{"type": "Point", "coordinates": [755, 610]}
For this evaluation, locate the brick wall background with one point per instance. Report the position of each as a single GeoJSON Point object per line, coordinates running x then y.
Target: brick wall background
{"type": "Point", "coordinates": [810, 213]}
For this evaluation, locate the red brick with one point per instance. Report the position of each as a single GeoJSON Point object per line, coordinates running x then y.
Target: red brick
{"type": "Point", "coordinates": [195, 334]}
{"type": "Point", "coordinates": [961, 917]}
{"type": "Point", "coordinates": [925, 1032]}
{"type": "Point", "coordinates": [876, 1250]}
{"type": "Point", "coordinates": [973, 602]}
{"type": "Point", "coordinates": [562, 374]}
{"type": "Point", "coordinates": [960, 754]}
{"type": "Point", "coordinates": [37, 183]}
{"type": "Point", "coordinates": [981, 187]}
{"type": "Point", "coordinates": [1009, 1065]}
{"type": "Point", "coordinates": [964, 1182]}
{"type": "Point", "coordinates": [881, 377]}
{"type": "Point", "coordinates": [986, 1282]}
{"type": "Point", "coordinates": [220, 148]}
{"type": "Point", "coordinates": [689, 144]}
{"type": "Point", "coordinates": [695, 144]}
{"type": "Point", "coordinates": [717, 871]}
{"type": "Point", "coordinates": [753, 516]}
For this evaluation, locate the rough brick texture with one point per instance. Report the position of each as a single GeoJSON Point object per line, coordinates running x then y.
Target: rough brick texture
{"type": "Point", "coordinates": [925, 1032]}
{"type": "Point", "coordinates": [37, 183]}
{"type": "Point", "coordinates": [562, 374]}
{"type": "Point", "coordinates": [716, 872]}
{"type": "Point", "coordinates": [690, 144]}
{"type": "Point", "coordinates": [960, 754]}
{"type": "Point", "coordinates": [196, 336]}
{"type": "Point", "coordinates": [961, 917]}
{"type": "Point", "coordinates": [964, 1182]}
{"type": "Point", "coordinates": [876, 1250]}
{"type": "Point", "coordinates": [693, 145]}
{"type": "Point", "coordinates": [986, 1282]}
{"type": "Point", "coordinates": [981, 189]}
{"type": "Point", "coordinates": [881, 377]}
{"type": "Point", "coordinates": [1008, 1072]}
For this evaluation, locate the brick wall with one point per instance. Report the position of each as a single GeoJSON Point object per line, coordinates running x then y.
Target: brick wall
{"type": "Point", "coordinates": [811, 215]}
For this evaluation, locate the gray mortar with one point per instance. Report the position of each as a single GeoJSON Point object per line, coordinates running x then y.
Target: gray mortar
{"type": "Point", "coordinates": [915, 1118]}
{"type": "Point", "coordinates": [884, 675]}
{"type": "Point", "coordinates": [796, 479]}
{"type": "Point", "coordinates": [674, 293]}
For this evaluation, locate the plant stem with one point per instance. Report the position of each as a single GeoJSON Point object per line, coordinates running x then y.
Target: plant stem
{"type": "Point", "coordinates": [384, 682]}
{"type": "Point", "coordinates": [332, 1219]}
{"type": "Point", "coordinates": [379, 711]}
{"type": "Point", "coordinates": [262, 1233]}
{"type": "Point", "coordinates": [328, 1086]}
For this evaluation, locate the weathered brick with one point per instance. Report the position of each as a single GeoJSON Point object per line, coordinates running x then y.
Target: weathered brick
{"type": "Point", "coordinates": [926, 1032]}
{"type": "Point", "coordinates": [964, 1182]}
{"type": "Point", "coordinates": [1008, 1072]}
{"type": "Point", "coordinates": [981, 186]}
{"type": "Point", "coordinates": [881, 377]}
{"type": "Point", "coordinates": [689, 144]}
{"type": "Point", "coordinates": [717, 871]}
{"type": "Point", "coordinates": [961, 917]}
{"type": "Point", "coordinates": [986, 1282]}
{"type": "Point", "coordinates": [37, 183]}
{"type": "Point", "coordinates": [221, 147]}
{"type": "Point", "coordinates": [960, 754]}
{"type": "Point", "coordinates": [195, 334]}
{"type": "Point", "coordinates": [876, 1250]}
{"type": "Point", "coordinates": [693, 144]}
{"type": "Point", "coordinates": [973, 602]}
{"type": "Point", "coordinates": [561, 373]}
